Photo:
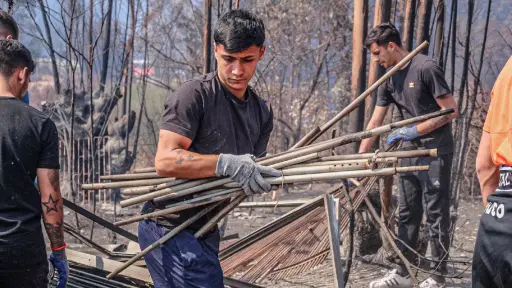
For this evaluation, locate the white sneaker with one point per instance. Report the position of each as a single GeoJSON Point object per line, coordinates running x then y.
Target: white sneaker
{"type": "Point", "coordinates": [431, 283]}
{"type": "Point", "coordinates": [392, 280]}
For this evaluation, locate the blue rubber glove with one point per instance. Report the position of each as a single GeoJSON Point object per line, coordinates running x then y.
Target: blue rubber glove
{"type": "Point", "coordinates": [60, 261]}
{"type": "Point", "coordinates": [405, 133]}
{"type": "Point", "coordinates": [352, 184]}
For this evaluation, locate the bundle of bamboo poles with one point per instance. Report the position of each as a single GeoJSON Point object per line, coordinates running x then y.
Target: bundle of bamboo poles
{"type": "Point", "coordinates": [298, 165]}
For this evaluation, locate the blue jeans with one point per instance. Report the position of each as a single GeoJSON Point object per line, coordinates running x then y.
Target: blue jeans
{"type": "Point", "coordinates": [183, 261]}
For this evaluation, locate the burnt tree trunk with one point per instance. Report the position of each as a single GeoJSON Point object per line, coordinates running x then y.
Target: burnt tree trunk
{"type": "Point", "coordinates": [438, 50]}
{"type": "Point", "coordinates": [55, 70]}
{"type": "Point", "coordinates": [106, 48]}
{"type": "Point", "coordinates": [358, 65]}
{"type": "Point", "coordinates": [410, 18]}
{"type": "Point", "coordinates": [382, 14]}
{"type": "Point", "coordinates": [423, 33]}
{"type": "Point", "coordinates": [458, 133]}
{"type": "Point", "coordinates": [454, 44]}
{"type": "Point", "coordinates": [207, 41]}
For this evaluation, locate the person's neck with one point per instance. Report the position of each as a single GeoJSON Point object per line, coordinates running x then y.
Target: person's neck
{"type": "Point", "coordinates": [6, 94]}
{"type": "Point", "coordinates": [238, 93]}
{"type": "Point", "coordinates": [400, 56]}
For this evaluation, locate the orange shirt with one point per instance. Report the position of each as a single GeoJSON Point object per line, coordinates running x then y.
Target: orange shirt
{"type": "Point", "coordinates": [499, 117]}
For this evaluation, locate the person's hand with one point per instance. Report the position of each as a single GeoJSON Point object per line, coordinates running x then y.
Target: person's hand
{"type": "Point", "coordinates": [405, 133]}
{"type": "Point", "coordinates": [60, 261]}
{"type": "Point", "coordinates": [351, 184]}
{"type": "Point", "coordinates": [243, 170]}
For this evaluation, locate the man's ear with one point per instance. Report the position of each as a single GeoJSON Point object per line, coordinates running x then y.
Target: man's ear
{"type": "Point", "coordinates": [9, 37]}
{"type": "Point", "coordinates": [24, 75]}
{"type": "Point", "coordinates": [262, 51]}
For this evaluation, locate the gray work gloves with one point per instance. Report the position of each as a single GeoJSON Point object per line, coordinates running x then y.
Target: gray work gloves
{"type": "Point", "coordinates": [243, 170]}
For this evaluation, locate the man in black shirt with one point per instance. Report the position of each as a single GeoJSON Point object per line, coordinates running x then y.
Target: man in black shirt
{"type": "Point", "coordinates": [214, 125]}
{"type": "Point", "coordinates": [417, 89]}
{"type": "Point", "coordinates": [28, 148]}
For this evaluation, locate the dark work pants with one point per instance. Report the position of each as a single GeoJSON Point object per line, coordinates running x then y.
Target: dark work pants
{"type": "Point", "coordinates": [492, 259]}
{"type": "Point", "coordinates": [429, 192]}
{"type": "Point", "coordinates": [34, 277]}
{"type": "Point", "coordinates": [183, 261]}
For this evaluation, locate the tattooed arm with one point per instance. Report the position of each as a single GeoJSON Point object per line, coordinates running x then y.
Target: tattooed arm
{"type": "Point", "coordinates": [174, 160]}
{"type": "Point", "coordinates": [51, 200]}
{"type": "Point", "coordinates": [445, 102]}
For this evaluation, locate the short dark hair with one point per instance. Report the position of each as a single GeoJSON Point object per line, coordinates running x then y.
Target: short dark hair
{"type": "Point", "coordinates": [14, 55]}
{"type": "Point", "coordinates": [383, 34]}
{"type": "Point", "coordinates": [8, 24]}
{"type": "Point", "coordinates": [238, 30]}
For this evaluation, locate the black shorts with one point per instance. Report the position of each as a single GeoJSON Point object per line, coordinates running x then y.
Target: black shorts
{"type": "Point", "coordinates": [492, 259]}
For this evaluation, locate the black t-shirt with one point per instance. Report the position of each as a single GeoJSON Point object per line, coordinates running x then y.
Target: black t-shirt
{"type": "Point", "coordinates": [217, 122]}
{"type": "Point", "coordinates": [414, 90]}
{"type": "Point", "coordinates": [28, 140]}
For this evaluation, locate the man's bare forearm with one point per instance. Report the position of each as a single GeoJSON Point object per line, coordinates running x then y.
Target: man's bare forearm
{"type": "Point", "coordinates": [181, 163]}
{"type": "Point", "coordinates": [434, 123]}
{"type": "Point", "coordinates": [489, 181]}
{"type": "Point", "coordinates": [53, 214]}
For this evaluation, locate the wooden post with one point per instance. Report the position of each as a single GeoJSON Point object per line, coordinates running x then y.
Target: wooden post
{"type": "Point", "coordinates": [334, 239]}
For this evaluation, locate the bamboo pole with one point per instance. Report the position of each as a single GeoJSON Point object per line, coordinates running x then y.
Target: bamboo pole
{"type": "Point", "coordinates": [350, 163]}
{"type": "Point", "coordinates": [187, 186]}
{"type": "Point", "coordinates": [125, 184]}
{"type": "Point", "coordinates": [149, 189]}
{"type": "Point", "coordinates": [187, 204]}
{"type": "Point", "coordinates": [135, 176]}
{"type": "Point", "coordinates": [162, 240]}
{"type": "Point", "coordinates": [144, 170]}
{"type": "Point", "coordinates": [325, 145]}
{"type": "Point", "coordinates": [212, 222]}
{"type": "Point", "coordinates": [398, 154]}
{"type": "Point", "coordinates": [272, 204]}
{"type": "Point", "coordinates": [317, 131]}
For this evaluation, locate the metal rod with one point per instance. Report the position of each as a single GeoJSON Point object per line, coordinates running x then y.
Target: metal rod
{"type": "Point", "coordinates": [125, 184]}
{"type": "Point", "coordinates": [212, 222]}
{"type": "Point", "coordinates": [162, 240]}
{"type": "Point", "coordinates": [99, 220]}
{"type": "Point", "coordinates": [311, 137]}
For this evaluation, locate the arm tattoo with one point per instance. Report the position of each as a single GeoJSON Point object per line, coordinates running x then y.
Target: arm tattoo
{"type": "Point", "coordinates": [55, 233]}
{"type": "Point", "coordinates": [51, 205]}
{"type": "Point", "coordinates": [179, 161]}
{"type": "Point", "coordinates": [438, 122]}
{"type": "Point", "coordinates": [190, 157]}
{"type": "Point", "coordinates": [53, 176]}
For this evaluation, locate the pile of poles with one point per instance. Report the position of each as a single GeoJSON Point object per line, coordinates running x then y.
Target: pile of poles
{"type": "Point", "coordinates": [304, 163]}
